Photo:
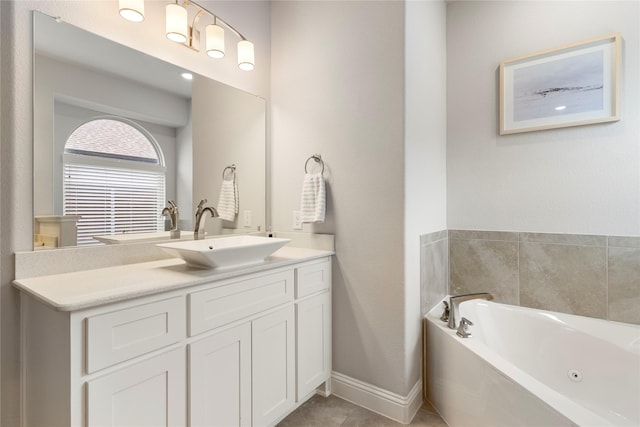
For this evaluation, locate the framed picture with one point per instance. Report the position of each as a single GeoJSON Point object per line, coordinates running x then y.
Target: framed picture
{"type": "Point", "coordinates": [576, 84]}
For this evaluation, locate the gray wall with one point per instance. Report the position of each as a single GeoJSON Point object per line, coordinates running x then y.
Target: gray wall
{"type": "Point", "coordinates": [337, 90]}
{"type": "Point", "coordinates": [581, 180]}
{"type": "Point", "coordinates": [362, 83]}
{"type": "Point", "coordinates": [425, 160]}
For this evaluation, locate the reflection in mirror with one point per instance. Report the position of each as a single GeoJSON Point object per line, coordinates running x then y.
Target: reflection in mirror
{"type": "Point", "coordinates": [117, 134]}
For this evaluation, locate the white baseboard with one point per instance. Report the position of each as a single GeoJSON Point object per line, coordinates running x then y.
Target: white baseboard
{"type": "Point", "coordinates": [399, 408]}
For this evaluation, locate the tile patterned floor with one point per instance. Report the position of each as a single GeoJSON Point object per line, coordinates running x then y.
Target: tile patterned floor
{"type": "Point", "coordinates": [335, 412]}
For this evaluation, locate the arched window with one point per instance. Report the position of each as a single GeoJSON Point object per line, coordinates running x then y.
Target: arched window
{"type": "Point", "coordinates": [114, 178]}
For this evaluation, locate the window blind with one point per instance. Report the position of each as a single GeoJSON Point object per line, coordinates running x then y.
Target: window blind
{"type": "Point", "coordinates": [113, 200]}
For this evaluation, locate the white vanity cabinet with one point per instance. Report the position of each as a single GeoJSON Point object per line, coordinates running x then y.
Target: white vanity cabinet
{"type": "Point", "coordinates": [313, 326]}
{"type": "Point", "coordinates": [244, 350]}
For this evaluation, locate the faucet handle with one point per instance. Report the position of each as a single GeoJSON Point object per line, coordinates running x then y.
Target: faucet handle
{"type": "Point", "coordinates": [202, 202]}
{"type": "Point", "coordinates": [463, 329]}
{"type": "Point", "coordinates": [445, 313]}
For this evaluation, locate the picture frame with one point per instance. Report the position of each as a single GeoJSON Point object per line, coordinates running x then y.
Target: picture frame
{"type": "Point", "coordinates": [573, 85]}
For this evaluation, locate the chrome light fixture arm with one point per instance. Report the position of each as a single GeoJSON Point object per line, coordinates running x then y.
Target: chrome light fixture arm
{"type": "Point", "coordinates": [179, 30]}
{"type": "Point", "coordinates": [216, 18]}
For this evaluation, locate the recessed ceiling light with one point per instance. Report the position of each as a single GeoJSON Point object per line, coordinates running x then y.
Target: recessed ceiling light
{"type": "Point", "coordinates": [560, 107]}
{"type": "Point", "coordinates": [187, 76]}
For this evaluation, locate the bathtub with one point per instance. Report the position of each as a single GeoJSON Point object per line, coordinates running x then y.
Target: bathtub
{"type": "Point", "coordinates": [525, 367]}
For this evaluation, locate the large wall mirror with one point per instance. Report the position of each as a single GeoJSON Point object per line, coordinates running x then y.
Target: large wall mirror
{"type": "Point", "coordinates": [118, 133]}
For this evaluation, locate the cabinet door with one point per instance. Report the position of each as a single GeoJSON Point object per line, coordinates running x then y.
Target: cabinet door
{"type": "Point", "coordinates": [313, 317]}
{"type": "Point", "coordinates": [149, 393]}
{"type": "Point", "coordinates": [220, 379]}
{"type": "Point", "coordinates": [273, 365]}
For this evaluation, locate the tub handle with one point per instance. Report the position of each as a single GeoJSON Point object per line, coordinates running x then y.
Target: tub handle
{"type": "Point", "coordinates": [463, 329]}
{"type": "Point", "coordinates": [445, 313]}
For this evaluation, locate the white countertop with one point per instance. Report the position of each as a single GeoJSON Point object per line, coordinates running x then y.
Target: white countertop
{"type": "Point", "coordinates": [90, 288]}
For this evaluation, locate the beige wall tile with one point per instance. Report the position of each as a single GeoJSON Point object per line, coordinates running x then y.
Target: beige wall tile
{"type": "Point", "coordinates": [507, 236]}
{"type": "Point", "coordinates": [624, 285]}
{"type": "Point", "coordinates": [564, 278]}
{"type": "Point", "coordinates": [484, 266]}
{"type": "Point", "coordinates": [624, 241]}
{"type": "Point", "coordinates": [434, 273]}
{"type": "Point", "coordinates": [425, 239]}
{"type": "Point", "coordinates": [567, 273]}
{"type": "Point", "coordinates": [564, 239]}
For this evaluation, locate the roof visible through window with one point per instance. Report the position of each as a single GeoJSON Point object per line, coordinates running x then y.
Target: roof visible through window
{"type": "Point", "coordinates": [112, 139]}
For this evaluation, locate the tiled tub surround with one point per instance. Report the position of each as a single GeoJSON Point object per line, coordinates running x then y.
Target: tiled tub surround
{"type": "Point", "coordinates": [587, 275]}
{"type": "Point", "coordinates": [434, 269]}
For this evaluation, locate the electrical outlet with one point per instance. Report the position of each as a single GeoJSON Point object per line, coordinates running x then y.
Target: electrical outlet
{"type": "Point", "coordinates": [247, 218]}
{"type": "Point", "coordinates": [297, 220]}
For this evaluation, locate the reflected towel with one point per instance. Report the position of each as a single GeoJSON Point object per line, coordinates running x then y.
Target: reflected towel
{"type": "Point", "coordinates": [313, 198]}
{"type": "Point", "coordinates": [228, 201]}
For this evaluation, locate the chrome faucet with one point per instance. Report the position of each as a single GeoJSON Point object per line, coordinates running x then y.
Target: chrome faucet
{"type": "Point", "coordinates": [455, 301]}
{"type": "Point", "coordinates": [174, 215]}
{"type": "Point", "coordinates": [198, 231]}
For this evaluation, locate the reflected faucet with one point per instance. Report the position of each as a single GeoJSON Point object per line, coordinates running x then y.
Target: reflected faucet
{"type": "Point", "coordinates": [174, 215]}
{"type": "Point", "coordinates": [198, 231]}
{"type": "Point", "coordinates": [455, 301]}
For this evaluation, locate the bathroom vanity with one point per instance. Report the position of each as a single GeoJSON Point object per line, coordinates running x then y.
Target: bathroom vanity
{"type": "Point", "coordinates": [160, 343]}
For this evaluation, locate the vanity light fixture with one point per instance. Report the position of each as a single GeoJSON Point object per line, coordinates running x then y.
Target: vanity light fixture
{"type": "Point", "coordinates": [179, 30]}
{"type": "Point", "coordinates": [132, 10]}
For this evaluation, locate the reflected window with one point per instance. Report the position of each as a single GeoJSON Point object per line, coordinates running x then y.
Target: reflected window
{"type": "Point", "coordinates": [114, 179]}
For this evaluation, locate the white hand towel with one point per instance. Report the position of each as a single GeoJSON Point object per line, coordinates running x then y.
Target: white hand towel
{"type": "Point", "coordinates": [228, 200]}
{"type": "Point", "coordinates": [313, 198]}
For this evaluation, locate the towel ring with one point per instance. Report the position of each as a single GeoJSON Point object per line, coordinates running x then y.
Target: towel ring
{"type": "Point", "coordinates": [318, 159]}
{"type": "Point", "coordinates": [233, 171]}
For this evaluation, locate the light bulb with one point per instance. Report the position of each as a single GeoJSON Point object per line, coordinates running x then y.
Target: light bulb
{"type": "Point", "coordinates": [132, 10]}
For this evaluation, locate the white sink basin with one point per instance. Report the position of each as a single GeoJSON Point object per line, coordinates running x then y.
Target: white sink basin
{"type": "Point", "coordinates": [222, 252]}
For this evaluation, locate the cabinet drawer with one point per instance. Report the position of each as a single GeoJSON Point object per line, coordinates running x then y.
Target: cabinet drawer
{"type": "Point", "coordinates": [224, 304]}
{"type": "Point", "coordinates": [313, 278]}
{"type": "Point", "coordinates": [124, 334]}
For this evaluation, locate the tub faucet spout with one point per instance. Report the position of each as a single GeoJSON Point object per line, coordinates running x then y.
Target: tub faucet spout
{"type": "Point", "coordinates": [455, 301]}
